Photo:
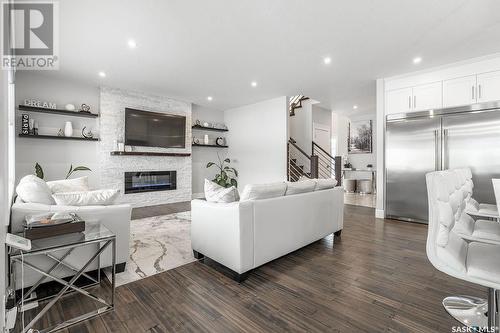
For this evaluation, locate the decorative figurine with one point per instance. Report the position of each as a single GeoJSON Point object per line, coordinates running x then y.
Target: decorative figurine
{"type": "Point", "coordinates": [85, 108]}
{"type": "Point", "coordinates": [220, 141]}
{"type": "Point", "coordinates": [88, 134]}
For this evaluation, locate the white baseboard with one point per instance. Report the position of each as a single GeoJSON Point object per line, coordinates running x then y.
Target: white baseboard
{"type": "Point", "coordinates": [198, 195]}
{"type": "Point", "coordinates": [379, 213]}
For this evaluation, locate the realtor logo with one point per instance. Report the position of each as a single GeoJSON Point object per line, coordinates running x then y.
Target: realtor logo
{"type": "Point", "coordinates": [30, 35]}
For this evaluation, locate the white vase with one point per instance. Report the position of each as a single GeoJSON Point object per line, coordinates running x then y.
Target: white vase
{"type": "Point", "coordinates": [205, 139]}
{"type": "Point", "coordinates": [68, 129]}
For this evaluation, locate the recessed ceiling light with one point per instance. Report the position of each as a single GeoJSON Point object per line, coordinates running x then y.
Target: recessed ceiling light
{"type": "Point", "coordinates": [417, 60]}
{"type": "Point", "coordinates": [327, 60]}
{"type": "Point", "coordinates": [354, 107]}
{"type": "Point", "coordinates": [102, 74]}
{"type": "Point", "coordinates": [254, 84]}
{"type": "Point", "coordinates": [132, 44]}
{"type": "Point", "coordinates": [209, 98]}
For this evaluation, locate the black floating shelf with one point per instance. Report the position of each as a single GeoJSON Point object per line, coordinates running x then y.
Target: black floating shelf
{"type": "Point", "coordinates": [213, 146]}
{"type": "Point", "coordinates": [146, 153]}
{"type": "Point", "coordinates": [56, 137]}
{"type": "Point", "coordinates": [209, 128]}
{"type": "Point", "coordinates": [57, 111]}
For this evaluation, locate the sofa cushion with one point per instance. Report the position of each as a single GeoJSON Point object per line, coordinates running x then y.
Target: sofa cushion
{"type": "Point", "coordinates": [32, 189]}
{"type": "Point", "coordinates": [216, 193]}
{"type": "Point", "coordinates": [69, 185]}
{"type": "Point", "coordinates": [263, 191]}
{"type": "Point", "coordinates": [301, 186]}
{"type": "Point", "coordinates": [324, 184]}
{"type": "Point", "coordinates": [86, 198]}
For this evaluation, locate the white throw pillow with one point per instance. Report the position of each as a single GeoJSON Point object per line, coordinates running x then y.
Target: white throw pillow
{"type": "Point", "coordinates": [86, 198]}
{"type": "Point", "coordinates": [324, 184]}
{"type": "Point", "coordinates": [216, 193]}
{"type": "Point", "coordinates": [263, 191]}
{"type": "Point", "coordinates": [301, 186]}
{"type": "Point", "coordinates": [69, 185]}
{"type": "Point", "coordinates": [35, 190]}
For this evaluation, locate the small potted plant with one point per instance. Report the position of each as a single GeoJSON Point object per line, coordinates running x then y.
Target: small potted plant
{"type": "Point", "coordinates": [227, 175]}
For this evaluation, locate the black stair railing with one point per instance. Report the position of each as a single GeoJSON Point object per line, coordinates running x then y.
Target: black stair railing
{"type": "Point", "coordinates": [300, 164]}
{"type": "Point", "coordinates": [328, 166]}
{"type": "Point", "coordinates": [296, 103]}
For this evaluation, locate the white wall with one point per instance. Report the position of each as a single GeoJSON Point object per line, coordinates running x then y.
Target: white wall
{"type": "Point", "coordinates": [340, 132]}
{"type": "Point", "coordinates": [202, 155]}
{"type": "Point", "coordinates": [322, 117]}
{"type": "Point", "coordinates": [380, 132]}
{"type": "Point", "coordinates": [257, 140]}
{"type": "Point", "coordinates": [55, 156]}
{"type": "Point", "coordinates": [300, 126]}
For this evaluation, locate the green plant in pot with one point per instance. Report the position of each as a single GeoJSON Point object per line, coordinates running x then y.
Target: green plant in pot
{"type": "Point", "coordinates": [227, 175]}
{"type": "Point", "coordinates": [40, 174]}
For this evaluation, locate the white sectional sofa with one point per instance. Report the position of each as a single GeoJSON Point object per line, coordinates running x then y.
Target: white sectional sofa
{"type": "Point", "coordinates": [247, 234]}
{"type": "Point", "coordinates": [114, 217]}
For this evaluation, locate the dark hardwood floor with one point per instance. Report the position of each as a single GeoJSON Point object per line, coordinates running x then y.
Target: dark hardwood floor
{"type": "Point", "coordinates": [376, 278]}
{"type": "Point", "coordinates": [143, 212]}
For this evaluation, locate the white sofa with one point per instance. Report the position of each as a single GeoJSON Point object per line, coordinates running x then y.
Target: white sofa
{"type": "Point", "coordinates": [115, 217]}
{"type": "Point", "coordinates": [247, 234]}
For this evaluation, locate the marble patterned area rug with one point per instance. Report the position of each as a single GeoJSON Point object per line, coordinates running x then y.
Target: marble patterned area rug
{"type": "Point", "coordinates": [157, 244]}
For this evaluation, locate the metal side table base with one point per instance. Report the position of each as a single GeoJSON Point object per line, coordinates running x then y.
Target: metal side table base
{"type": "Point", "coordinates": [469, 311]}
{"type": "Point", "coordinates": [94, 234]}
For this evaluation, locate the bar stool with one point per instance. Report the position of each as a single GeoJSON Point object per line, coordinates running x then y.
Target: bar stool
{"type": "Point", "coordinates": [350, 185]}
{"type": "Point", "coordinates": [480, 230]}
{"type": "Point", "coordinates": [364, 186]}
{"type": "Point", "coordinates": [474, 262]}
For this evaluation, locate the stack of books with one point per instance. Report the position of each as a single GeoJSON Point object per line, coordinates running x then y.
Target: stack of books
{"type": "Point", "coordinates": [52, 224]}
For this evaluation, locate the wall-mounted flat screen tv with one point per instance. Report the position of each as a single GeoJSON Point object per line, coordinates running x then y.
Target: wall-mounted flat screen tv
{"type": "Point", "coordinates": [153, 129]}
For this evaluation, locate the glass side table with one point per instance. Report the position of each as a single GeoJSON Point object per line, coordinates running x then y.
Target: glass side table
{"type": "Point", "coordinates": [94, 233]}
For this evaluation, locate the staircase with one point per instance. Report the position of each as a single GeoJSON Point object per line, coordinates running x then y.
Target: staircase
{"type": "Point", "coordinates": [296, 103]}
{"type": "Point", "coordinates": [318, 165]}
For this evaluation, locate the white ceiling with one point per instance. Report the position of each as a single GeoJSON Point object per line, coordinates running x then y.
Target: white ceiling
{"type": "Point", "coordinates": [194, 49]}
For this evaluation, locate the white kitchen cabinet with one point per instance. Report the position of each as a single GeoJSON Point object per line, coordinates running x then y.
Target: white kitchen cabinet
{"type": "Point", "coordinates": [459, 91]}
{"type": "Point", "coordinates": [488, 86]}
{"type": "Point", "coordinates": [427, 96]}
{"type": "Point", "coordinates": [398, 101]}
{"type": "Point", "coordinates": [418, 98]}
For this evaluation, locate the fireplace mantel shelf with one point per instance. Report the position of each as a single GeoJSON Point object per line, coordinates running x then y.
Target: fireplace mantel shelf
{"type": "Point", "coordinates": [147, 153]}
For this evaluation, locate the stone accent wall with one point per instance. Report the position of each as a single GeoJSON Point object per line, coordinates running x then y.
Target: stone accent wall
{"type": "Point", "coordinates": [112, 127]}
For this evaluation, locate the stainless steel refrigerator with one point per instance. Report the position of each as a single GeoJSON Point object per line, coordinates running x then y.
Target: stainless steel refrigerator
{"type": "Point", "coordinates": [421, 142]}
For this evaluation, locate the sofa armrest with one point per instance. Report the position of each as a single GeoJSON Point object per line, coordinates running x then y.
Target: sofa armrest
{"type": "Point", "coordinates": [114, 217]}
{"type": "Point", "coordinates": [224, 233]}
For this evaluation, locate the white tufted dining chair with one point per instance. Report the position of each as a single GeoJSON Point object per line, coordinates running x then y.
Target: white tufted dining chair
{"type": "Point", "coordinates": [480, 230]}
{"type": "Point", "coordinates": [474, 208]}
{"type": "Point", "coordinates": [475, 262]}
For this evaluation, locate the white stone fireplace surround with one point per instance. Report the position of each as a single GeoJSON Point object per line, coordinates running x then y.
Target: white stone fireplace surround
{"type": "Point", "coordinates": [112, 127]}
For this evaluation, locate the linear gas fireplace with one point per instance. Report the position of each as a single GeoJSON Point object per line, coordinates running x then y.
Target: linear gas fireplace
{"type": "Point", "coordinates": [149, 181]}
